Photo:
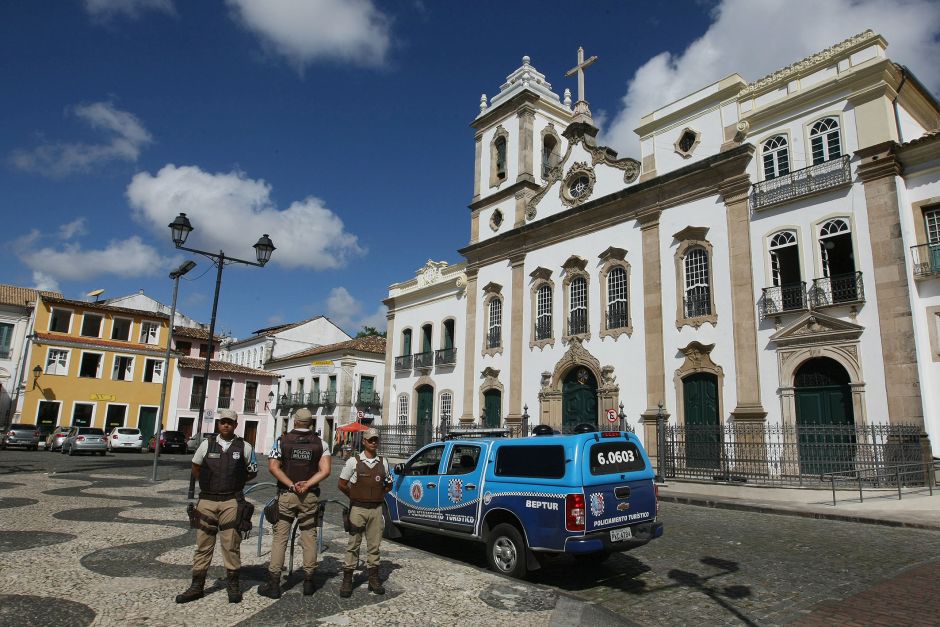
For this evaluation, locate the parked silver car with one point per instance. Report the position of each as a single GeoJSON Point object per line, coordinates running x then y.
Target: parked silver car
{"type": "Point", "coordinates": [18, 434]}
{"type": "Point", "coordinates": [85, 440]}
{"type": "Point", "coordinates": [125, 439]}
{"type": "Point", "coordinates": [56, 438]}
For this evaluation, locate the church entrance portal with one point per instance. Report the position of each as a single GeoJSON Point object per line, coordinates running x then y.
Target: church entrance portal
{"type": "Point", "coordinates": [579, 398]}
{"type": "Point", "coordinates": [702, 429]}
{"type": "Point", "coordinates": [824, 417]}
{"type": "Point", "coordinates": [492, 408]}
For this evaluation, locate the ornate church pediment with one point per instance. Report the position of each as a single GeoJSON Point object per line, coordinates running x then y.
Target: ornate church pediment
{"type": "Point", "coordinates": [540, 273]}
{"type": "Point", "coordinates": [431, 273]}
{"type": "Point", "coordinates": [574, 263]}
{"type": "Point", "coordinates": [816, 328]}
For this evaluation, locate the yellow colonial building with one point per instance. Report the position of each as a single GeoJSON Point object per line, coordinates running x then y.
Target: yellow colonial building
{"type": "Point", "coordinates": [96, 365]}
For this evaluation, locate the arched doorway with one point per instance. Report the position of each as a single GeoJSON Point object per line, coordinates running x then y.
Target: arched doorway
{"type": "Point", "coordinates": [424, 413]}
{"type": "Point", "coordinates": [579, 398]}
{"type": "Point", "coordinates": [702, 425]}
{"type": "Point", "coordinates": [825, 419]}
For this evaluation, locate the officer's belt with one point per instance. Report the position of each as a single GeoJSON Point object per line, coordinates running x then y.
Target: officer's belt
{"type": "Point", "coordinates": [225, 496]}
{"type": "Point", "coordinates": [365, 504]}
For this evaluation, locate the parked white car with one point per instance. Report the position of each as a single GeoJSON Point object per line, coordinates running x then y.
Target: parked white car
{"type": "Point", "coordinates": [125, 438]}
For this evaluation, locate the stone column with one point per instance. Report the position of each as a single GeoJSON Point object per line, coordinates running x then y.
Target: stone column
{"type": "Point", "coordinates": [653, 334]}
{"type": "Point", "coordinates": [526, 124]}
{"type": "Point", "coordinates": [878, 171]}
{"type": "Point", "coordinates": [387, 400]}
{"type": "Point", "coordinates": [345, 392]}
{"type": "Point", "coordinates": [516, 324]}
{"type": "Point", "coordinates": [470, 350]}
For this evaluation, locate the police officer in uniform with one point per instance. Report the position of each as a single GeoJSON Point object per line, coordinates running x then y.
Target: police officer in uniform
{"type": "Point", "coordinates": [365, 479]}
{"type": "Point", "coordinates": [222, 465]}
{"type": "Point", "coordinates": [299, 463]}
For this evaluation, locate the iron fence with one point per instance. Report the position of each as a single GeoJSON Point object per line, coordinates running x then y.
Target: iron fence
{"type": "Point", "coordinates": [815, 178]}
{"type": "Point", "coordinates": [843, 288]}
{"type": "Point", "coordinates": [792, 454]}
{"type": "Point", "coordinates": [782, 298]}
{"type": "Point", "coordinates": [445, 356]}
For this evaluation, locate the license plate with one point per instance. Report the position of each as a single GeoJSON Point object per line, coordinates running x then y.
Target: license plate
{"type": "Point", "coordinates": [618, 535]}
{"type": "Point", "coordinates": [127, 444]}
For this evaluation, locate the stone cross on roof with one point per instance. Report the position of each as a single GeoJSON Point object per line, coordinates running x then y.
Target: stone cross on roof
{"type": "Point", "coordinates": [579, 70]}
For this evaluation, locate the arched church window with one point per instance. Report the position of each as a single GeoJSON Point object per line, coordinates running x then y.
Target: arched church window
{"type": "Point", "coordinates": [578, 309]}
{"type": "Point", "coordinates": [617, 311]}
{"type": "Point", "coordinates": [549, 155]}
{"type": "Point", "coordinates": [543, 318]}
{"type": "Point", "coordinates": [776, 157]}
{"type": "Point", "coordinates": [824, 139]}
{"type": "Point", "coordinates": [494, 333]}
{"type": "Point", "coordinates": [698, 300]}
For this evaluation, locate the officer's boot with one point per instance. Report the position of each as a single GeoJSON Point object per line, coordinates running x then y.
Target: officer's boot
{"type": "Point", "coordinates": [345, 589]}
{"type": "Point", "coordinates": [233, 587]}
{"type": "Point", "coordinates": [309, 585]}
{"type": "Point", "coordinates": [195, 589]}
{"type": "Point", "coordinates": [272, 587]}
{"type": "Point", "coordinates": [375, 584]}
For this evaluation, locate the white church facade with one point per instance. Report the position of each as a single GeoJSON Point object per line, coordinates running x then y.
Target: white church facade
{"type": "Point", "coordinates": [772, 258]}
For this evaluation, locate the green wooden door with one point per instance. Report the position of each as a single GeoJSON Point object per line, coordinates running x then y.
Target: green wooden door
{"type": "Point", "coordinates": [425, 413]}
{"type": "Point", "coordinates": [492, 408]}
{"type": "Point", "coordinates": [824, 417]}
{"type": "Point", "coordinates": [366, 388]}
{"type": "Point", "coordinates": [579, 399]}
{"type": "Point", "coordinates": [702, 430]}
{"type": "Point", "coordinates": [147, 422]}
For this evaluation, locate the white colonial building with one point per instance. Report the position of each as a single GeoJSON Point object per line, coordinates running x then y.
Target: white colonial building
{"type": "Point", "coordinates": [772, 258]}
{"type": "Point", "coordinates": [283, 339]}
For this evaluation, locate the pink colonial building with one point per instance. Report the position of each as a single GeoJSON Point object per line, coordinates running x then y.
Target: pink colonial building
{"type": "Point", "coordinates": [248, 391]}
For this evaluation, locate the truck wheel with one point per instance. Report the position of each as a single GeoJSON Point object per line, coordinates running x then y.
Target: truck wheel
{"type": "Point", "coordinates": [505, 551]}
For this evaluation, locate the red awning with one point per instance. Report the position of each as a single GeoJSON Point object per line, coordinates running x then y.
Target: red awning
{"type": "Point", "coordinates": [352, 427]}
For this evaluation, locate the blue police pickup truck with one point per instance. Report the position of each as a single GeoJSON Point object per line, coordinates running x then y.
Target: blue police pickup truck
{"type": "Point", "coordinates": [586, 495]}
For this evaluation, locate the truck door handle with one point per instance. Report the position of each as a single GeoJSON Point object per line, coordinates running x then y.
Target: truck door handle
{"type": "Point", "coordinates": [432, 485]}
{"type": "Point", "coordinates": [471, 486]}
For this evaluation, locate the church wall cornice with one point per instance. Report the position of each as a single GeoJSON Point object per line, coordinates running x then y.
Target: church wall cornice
{"type": "Point", "coordinates": [642, 202]}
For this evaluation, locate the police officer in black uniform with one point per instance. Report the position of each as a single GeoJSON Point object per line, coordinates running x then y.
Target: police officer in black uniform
{"type": "Point", "coordinates": [222, 465]}
{"type": "Point", "coordinates": [299, 463]}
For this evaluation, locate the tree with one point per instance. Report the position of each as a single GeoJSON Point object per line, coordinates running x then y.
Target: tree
{"type": "Point", "coordinates": [369, 331]}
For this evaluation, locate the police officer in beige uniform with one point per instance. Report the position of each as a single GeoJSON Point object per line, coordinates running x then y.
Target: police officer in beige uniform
{"type": "Point", "coordinates": [222, 465]}
{"type": "Point", "coordinates": [365, 479]}
{"type": "Point", "coordinates": [299, 462]}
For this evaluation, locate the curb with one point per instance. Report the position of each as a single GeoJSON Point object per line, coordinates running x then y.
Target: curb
{"type": "Point", "coordinates": [763, 508]}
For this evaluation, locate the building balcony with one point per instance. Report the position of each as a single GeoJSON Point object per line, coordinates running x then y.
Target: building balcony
{"type": "Point", "coordinates": [328, 398]}
{"type": "Point", "coordinates": [696, 305]}
{"type": "Point", "coordinates": [617, 318]}
{"type": "Point", "coordinates": [782, 298]}
{"type": "Point", "coordinates": [225, 402]}
{"type": "Point", "coordinates": [837, 290]}
{"type": "Point", "coordinates": [494, 338]}
{"type": "Point", "coordinates": [800, 183]}
{"type": "Point", "coordinates": [445, 357]}
{"type": "Point", "coordinates": [403, 362]}
{"type": "Point", "coordinates": [368, 397]}
{"type": "Point", "coordinates": [543, 329]}
{"type": "Point", "coordinates": [926, 258]}
{"type": "Point", "coordinates": [577, 322]}
{"type": "Point", "coordinates": [424, 360]}
{"type": "Point", "coordinates": [194, 400]}
{"type": "Point", "coordinates": [250, 406]}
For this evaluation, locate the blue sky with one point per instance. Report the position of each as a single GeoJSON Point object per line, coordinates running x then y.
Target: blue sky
{"type": "Point", "coordinates": [339, 127]}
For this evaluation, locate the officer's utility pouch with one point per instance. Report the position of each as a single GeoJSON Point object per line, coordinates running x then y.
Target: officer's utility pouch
{"type": "Point", "coordinates": [347, 525]}
{"type": "Point", "coordinates": [243, 514]}
{"type": "Point", "coordinates": [193, 516]}
{"type": "Point", "coordinates": [270, 511]}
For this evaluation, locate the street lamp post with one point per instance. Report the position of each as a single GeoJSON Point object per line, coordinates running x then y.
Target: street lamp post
{"type": "Point", "coordinates": [180, 229]}
{"type": "Point", "coordinates": [175, 275]}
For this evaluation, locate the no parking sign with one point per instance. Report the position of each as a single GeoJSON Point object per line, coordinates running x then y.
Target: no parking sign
{"type": "Point", "coordinates": [612, 415]}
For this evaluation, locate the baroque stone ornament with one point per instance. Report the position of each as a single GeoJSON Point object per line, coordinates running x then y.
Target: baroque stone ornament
{"type": "Point", "coordinates": [432, 272]}
{"type": "Point", "coordinates": [607, 375]}
{"type": "Point", "coordinates": [578, 184]}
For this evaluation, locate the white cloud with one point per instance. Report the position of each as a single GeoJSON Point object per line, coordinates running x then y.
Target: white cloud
{"type": "Point", "coordinates": [42, 281]}
{"type": "Point", "coordinates": [305, 31]}
{"type": "Point", "coordinates": [73, 229]}
{"type": "Point", "coordinates": [230, 211]}
{"type": "Point", "coordinates": [130, 257]}
{"type": "Point", "coordinates": [125, 138]}
{"type": "Point", "coordinates": [108, 9]}
{"type": "Point", "coordinates": [757, 37]}
{"type": "Point", "coordinates": [346, 312]}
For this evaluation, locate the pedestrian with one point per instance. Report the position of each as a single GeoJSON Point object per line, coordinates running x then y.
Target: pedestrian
{"type": "Point", "coordinates": [222, 465]}
{"type": "Point", "coordinates": [365, 479]}
{"type": "Point", "coordinates": [299, 462]}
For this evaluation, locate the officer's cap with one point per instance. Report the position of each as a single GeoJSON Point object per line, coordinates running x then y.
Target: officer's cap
{"type": "Point", "coordinates": [228, 414]}
{"type": "Point", "coordinates": [370, 433]}
{"type": "Point", "coordinates": [303, 415]}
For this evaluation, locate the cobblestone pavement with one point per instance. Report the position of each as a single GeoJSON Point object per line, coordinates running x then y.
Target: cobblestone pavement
{"type": "Point", "coordinates": [113, 548]}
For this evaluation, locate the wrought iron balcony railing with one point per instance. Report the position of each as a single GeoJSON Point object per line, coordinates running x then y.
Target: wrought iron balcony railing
{"type": "Point", "coordinates": [494, 338]}
{"type": "Point", "coordinates": [445, 356]}
{"type": "Point", "coordinates": [250, 405]}
{"type": "Point", "coordinates": [225, 402]}
{"type": "Point", "coordinates": [926, 258]}
{"type": "Point", "coordinates": [577, 322]}
{"type": "Point", "coordinates": [194, 400]}
{"type": "Point", "coordinates": [837, 290]}
{"type": "Point", "coordinates": [328, 398]}
{"type": "Point", "coordinates": [696, 305]}
{"type": "Point", "coordinates": [803, 182]}
{"type": "Point", "coordinates": [617, 316]}
{"type": "Point", "coordinates": [782, 298]}
{"type": "Point", "coordinates": [368, 397]}
{"type": "Point", "coordinates": [543, 329]}
{"type": "Point", "coordinates": [424, 360]}
{"type": "Point", "coordinates": [403, 362]}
